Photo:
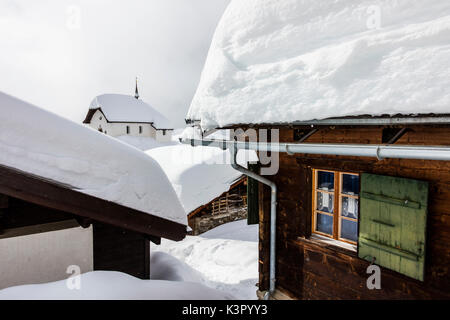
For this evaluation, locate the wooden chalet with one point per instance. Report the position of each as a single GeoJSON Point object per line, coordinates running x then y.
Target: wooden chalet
{"type": "Point", "coordinates": [229, 206]}
{"type": "Point", "coordinates": [336, 215]}
{"type": "Point", "coordinates": [46, 226]}
{"type": "Point", "coordinates": [363, 176]}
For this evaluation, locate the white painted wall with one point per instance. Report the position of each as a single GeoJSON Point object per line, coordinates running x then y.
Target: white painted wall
{"type": "Point", "coordinates": [44, 257]}
{"type": "Point", "coordinates": [98, 121]}
{"type": "Point", "coordinates": [116, 129]}
{"type": "Point", "coordinates": [164, 138]}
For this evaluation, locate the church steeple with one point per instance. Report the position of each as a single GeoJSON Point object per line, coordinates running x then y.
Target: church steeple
{"type": "Point", "coordinates": [136, 93]}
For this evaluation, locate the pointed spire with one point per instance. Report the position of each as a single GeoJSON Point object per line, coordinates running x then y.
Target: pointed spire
{"type": "Point", "coordinates": [136, 93]}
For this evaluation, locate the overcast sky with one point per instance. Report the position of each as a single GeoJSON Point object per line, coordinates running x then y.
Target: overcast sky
{"type": "Point", "coordinates": [60, 54]}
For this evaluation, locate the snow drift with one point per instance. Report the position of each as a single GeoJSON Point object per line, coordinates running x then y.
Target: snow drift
{"type": "Point", "coordinates": [43, 144]}
{"type": "Point", "coordinates": [110, 285]}
{"type": "Point", "coordinates": [224, 258]}
{"type": "Point", "coordinates": [292, 60]}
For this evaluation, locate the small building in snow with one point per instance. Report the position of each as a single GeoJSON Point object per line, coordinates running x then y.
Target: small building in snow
{"type": "Point", "coordinates": [72, 199]}
{"type": "Point", "coordinates": [227, 207]}
{"type": "Point", "coordinates": [122, 115]}
{"type": "Point", "coordinates": [210, 190]}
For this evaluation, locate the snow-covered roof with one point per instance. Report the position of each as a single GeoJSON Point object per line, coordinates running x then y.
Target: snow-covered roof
{"type": "Point", "coordinates": [125, 108]}
{"type": "Point", "coordinates": [283, 61]}
{"type": "Point", "coordinates": [200, 174]}
{"type": "Point", "coordinates": [38, 142]}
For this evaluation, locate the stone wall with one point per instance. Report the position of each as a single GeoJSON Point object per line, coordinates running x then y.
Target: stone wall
{"type": "Point", "coordinates": [208, 222]}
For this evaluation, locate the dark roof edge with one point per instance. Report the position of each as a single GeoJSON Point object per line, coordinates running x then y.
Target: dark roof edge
{"type": "Point", "coordinates": [381, 120]}
{"type": "Point", "coordinates": [363, 120]}
{"type": "Point", "coordinates": [91, 113]}
{"type": "Point", "coordinates": [28, 187]}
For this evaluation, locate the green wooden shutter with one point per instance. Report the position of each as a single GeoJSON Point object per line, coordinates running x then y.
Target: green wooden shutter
{"type": "Point", "coordinates": [392, 224]}
{"type": "Point", "coordinates": [252, 197]}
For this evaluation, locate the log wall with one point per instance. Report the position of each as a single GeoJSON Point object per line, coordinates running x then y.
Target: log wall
{"type": "Point", "coordinates": [310, 269]}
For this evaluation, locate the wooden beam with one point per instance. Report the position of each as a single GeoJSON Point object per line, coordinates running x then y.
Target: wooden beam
{"type": "Point", "coordinates": [4, 201]}
{"type": "Point", "coordinates": [83, 222]}
{"type": "Point", "coordinates": [302, 135]}
{"type": "Point", "coordinates": [38, 228]}
{"type": "Point", "coordinates": [53, 195]}
{"type": "Point", "coordinates": [155, 240]}
{"type": "Point", "coordinates": [392, 135]}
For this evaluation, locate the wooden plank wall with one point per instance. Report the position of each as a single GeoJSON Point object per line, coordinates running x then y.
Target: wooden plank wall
{"type": "Point", "coordinates": [307, 269]}
{"type": "Point", "coordinates": [117, 249]}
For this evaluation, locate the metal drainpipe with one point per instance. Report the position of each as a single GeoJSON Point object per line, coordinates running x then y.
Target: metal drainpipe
{"type": "Point", "coordinates": [273, 215]}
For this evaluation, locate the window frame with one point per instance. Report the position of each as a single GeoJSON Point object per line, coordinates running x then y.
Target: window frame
{"type": "Point", "coordinates": [338, 195]}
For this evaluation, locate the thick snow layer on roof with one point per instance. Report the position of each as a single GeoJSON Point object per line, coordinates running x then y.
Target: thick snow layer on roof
{"type": "Point", "coordinates": [124, 108]}
{"type": "Point", "coordinates": [276, 61]}
{"type": "Point", "coordinates": [41, 143]}
{"type": "Point", "coordinates": [111, 285]}
{"type": "Point", "coordinates": [143, 143]}
{"type": "Point", "coordinates": [199, 174]}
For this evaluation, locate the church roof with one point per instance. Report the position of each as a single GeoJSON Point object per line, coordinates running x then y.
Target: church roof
{"type": "Point", "coordinates": [125, 108]}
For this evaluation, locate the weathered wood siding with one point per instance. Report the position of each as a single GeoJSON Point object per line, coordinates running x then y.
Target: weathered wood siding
{"type": "Point", "coordinates": [117, 249]}
{"type": "Point", "coordinates": [308, 269]}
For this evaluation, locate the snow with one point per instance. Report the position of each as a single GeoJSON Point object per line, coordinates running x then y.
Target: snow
{"type": "Point", "coordinates": [143, 143]}
{"type": "Point", "coordinates": [200, 174]}
{"type": "Point", "coordinates": [220, 264]}
{"type": "Point", "coordinates": [110, 285]}
{"type": "Point", "coordinates": [295, 60]}
{"type": "Point", "coordinates": [125, 108]}
{"type": "Point", "coordinates": [224, 258]}
{"type": "Point", "coordinates": [43, 144]}
{"type": "Point", "coordinates": [237, 230]}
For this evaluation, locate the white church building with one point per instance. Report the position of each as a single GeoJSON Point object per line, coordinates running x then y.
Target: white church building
{"type": "Point", "coordinates": [122, 115]}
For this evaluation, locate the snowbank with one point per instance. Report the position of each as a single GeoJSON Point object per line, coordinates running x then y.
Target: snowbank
{"type": "Point", "coordinates": [143, 143]}
{"type": "Point", "coordinates": [237, 230]}
{"type": "Point", "coordinates": [198, 174]}
{"type": "Point", "coordinates": [41, 143]}
{"type": "Point", "coordinates": [125, 108]}
{"type": "Point", "coordinates": [227, 263]}
{"type": "Point", "coordinates": [109, 285]}
{"type": "Point", "coordinates": [282, 61]}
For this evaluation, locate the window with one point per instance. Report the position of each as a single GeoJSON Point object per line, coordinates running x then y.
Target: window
{"type": "Point", "coordinates": [140, 129]}
{"type": "Point", "coordinates": [336, 205]}
{"type": "Point", "coordinates": [164, 132]}
{"type": "Point", "coordinates": [128, 129]}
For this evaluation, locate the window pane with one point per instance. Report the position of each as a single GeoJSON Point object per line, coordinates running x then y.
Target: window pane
{"type": "Point", "coordinates": [325, 223]}
{"type": "Point", "coordinates": [325, 202]}
{"type": "Point", "coordinates": [325, 180]}
{"type": "Point", "coordinates": [349, 207]}
{"type": "Point", "coordinates": [350, 184]}
{"type": "Point", "coordinates": [349, 230]}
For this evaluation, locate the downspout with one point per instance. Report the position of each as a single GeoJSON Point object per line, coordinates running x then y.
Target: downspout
{"type": "Point", "coordinates": [273, 216]}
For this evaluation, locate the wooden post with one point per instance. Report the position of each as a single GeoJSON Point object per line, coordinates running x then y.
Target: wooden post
{"type": "Point", "coordinates": [117, 249]}
{"type": "Point", "coordinates": [252, 197]}
{"type": "Point", "coordinates": [3, 206]}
